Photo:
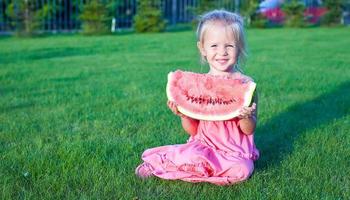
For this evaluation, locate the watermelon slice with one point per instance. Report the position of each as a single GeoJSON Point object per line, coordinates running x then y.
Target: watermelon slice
{"type": "Point", "coordinates": [208, 97]}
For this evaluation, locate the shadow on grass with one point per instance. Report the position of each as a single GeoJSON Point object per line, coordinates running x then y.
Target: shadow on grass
{"type": "Point", "coordinates": [59, 52]}
{"type": "Point", "coordinates": [48, 53]}
{"type": "Point", "coordinates": [180, 28]}
{"type": "Point", "coordinates": [278, 134]}
{"type": "Point", "coordinates": [19, 106]}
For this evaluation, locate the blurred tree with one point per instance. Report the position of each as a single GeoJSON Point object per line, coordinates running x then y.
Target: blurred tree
{"type": "Point", "coordinates": [122, 11]}
{"type": "Point", "coordinates": [95, 18]}
{"type": "Point", "coordinates": [205, 6]}
{"type": "Point", "coordinates": [252, 16]}
{"type": "Point", "coordinates": [208, 5]}
{"type": "Point", "coordinates": [334, 13]}
{"type": "Point", "coordinates": [23, 15]}
{"type": "Point", "coordinates": [294, 11]}
{"type": "Point", "coordinates": [149, 17]}
{"type": "Point", "coordinates": [249, 11]}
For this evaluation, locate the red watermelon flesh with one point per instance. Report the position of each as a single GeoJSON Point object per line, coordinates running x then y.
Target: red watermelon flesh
{"type": "Point", "coordinates": [208, 97]}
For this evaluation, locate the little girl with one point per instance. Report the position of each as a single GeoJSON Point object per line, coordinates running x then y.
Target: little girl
{"type": "Point", "coordinates": [219, 152]}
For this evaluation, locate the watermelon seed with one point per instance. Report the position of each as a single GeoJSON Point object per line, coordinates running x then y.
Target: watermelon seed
{"type": "Point", "coordinates": [216, 100]}
{"type": "Point", "coordinates": [209, 100]}
{"type": "Point", "coordinates": [220, 101]}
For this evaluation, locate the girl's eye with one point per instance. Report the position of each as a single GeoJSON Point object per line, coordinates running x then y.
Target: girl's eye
{"type": "Point", "coordinates": [231, 45]}
{"type": "Point", "coordinates": [214, 45]}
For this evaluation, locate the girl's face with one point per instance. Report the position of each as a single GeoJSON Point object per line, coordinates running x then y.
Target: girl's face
{"type": "Point", "coordinates": [218, 46]}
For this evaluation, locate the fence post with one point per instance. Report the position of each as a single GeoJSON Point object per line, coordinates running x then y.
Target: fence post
{"type": "Point", "coordinates": [173, 11]}
{"type": "Point", "coordinates": [2, 15]}
{"type": "Point", "coordinates": [236, 6]}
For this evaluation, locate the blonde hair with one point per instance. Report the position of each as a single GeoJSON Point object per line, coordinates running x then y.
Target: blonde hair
{"type": "Point", "coordinates": [230, 19]}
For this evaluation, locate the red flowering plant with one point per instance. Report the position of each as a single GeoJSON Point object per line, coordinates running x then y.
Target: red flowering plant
{"type": "Point", "coordinates": [314, 14]}
{"type": "Point", "coordinates": [275, 15]}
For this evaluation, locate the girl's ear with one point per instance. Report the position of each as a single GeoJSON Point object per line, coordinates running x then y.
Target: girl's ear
{"type": "Point", "coordinates": [201, 49]}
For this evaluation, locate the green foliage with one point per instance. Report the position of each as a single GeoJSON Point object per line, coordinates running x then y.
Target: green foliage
{"type": "Point", "coordinates": [251, 18]}
{"type": "Point", "coordinates": [23, 16]}
{"type": "Point", "coordinates": [334, 13]}
{"type": "Point", "coordinates": [149, 17]}
{"type": "Point", "coordinates": [27, 18]}
{"type": "Point", "coordinates": [294, 14]}
{"type": "Point", "coordinates": [202, 7]}
{"type": "Point", "coordinates": [95, 18]}
{"type": "Point", "coordinates": [115, 6]}
{"type": "Point", "coordinates": [206, 6]}
{"type": "Point", "coordinates": [46, 12]}
{"type": "Point", "coordinates": [258, 21]}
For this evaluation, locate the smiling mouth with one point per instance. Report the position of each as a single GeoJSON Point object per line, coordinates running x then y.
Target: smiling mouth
{"type": "Point", "coordinates": [222, 61]}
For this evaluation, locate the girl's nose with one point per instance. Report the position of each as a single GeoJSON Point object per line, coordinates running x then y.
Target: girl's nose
{"type": "Point", "coordinates": [222, 51]}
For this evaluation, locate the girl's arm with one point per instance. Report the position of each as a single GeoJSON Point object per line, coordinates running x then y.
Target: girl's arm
{"type": "Point", "coordinates": [247, 123]}
{"type": "Point", "coordinates": [190, 125]}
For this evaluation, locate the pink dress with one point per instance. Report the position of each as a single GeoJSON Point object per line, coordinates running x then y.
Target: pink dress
{"type": "Point", "coordinates": [219, 153]}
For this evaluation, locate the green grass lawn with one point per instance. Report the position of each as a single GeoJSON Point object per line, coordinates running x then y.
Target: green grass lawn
{"type": "Point", "coordinates": [77, 112]}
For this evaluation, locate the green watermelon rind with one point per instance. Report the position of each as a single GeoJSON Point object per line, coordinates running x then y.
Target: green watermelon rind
{"type": "Point", "coordinates": [248, 99]}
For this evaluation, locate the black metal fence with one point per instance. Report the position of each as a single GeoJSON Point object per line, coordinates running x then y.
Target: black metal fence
{"type": "Point", "coordinates": [63, 15]}
{"type": "Point", "coordinates": [52, 15]}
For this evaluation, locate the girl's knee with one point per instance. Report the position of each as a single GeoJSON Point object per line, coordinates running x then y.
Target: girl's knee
{"type": "Point", "coordinates": [247, 168]}
{"type": "Point", "coordinates": [241, 171]}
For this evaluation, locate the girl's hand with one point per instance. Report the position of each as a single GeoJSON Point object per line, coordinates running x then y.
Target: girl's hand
{"type": "Point", "coordinates": [173, 107]}
{"type": "Point", "coordinates": [247, 112]}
